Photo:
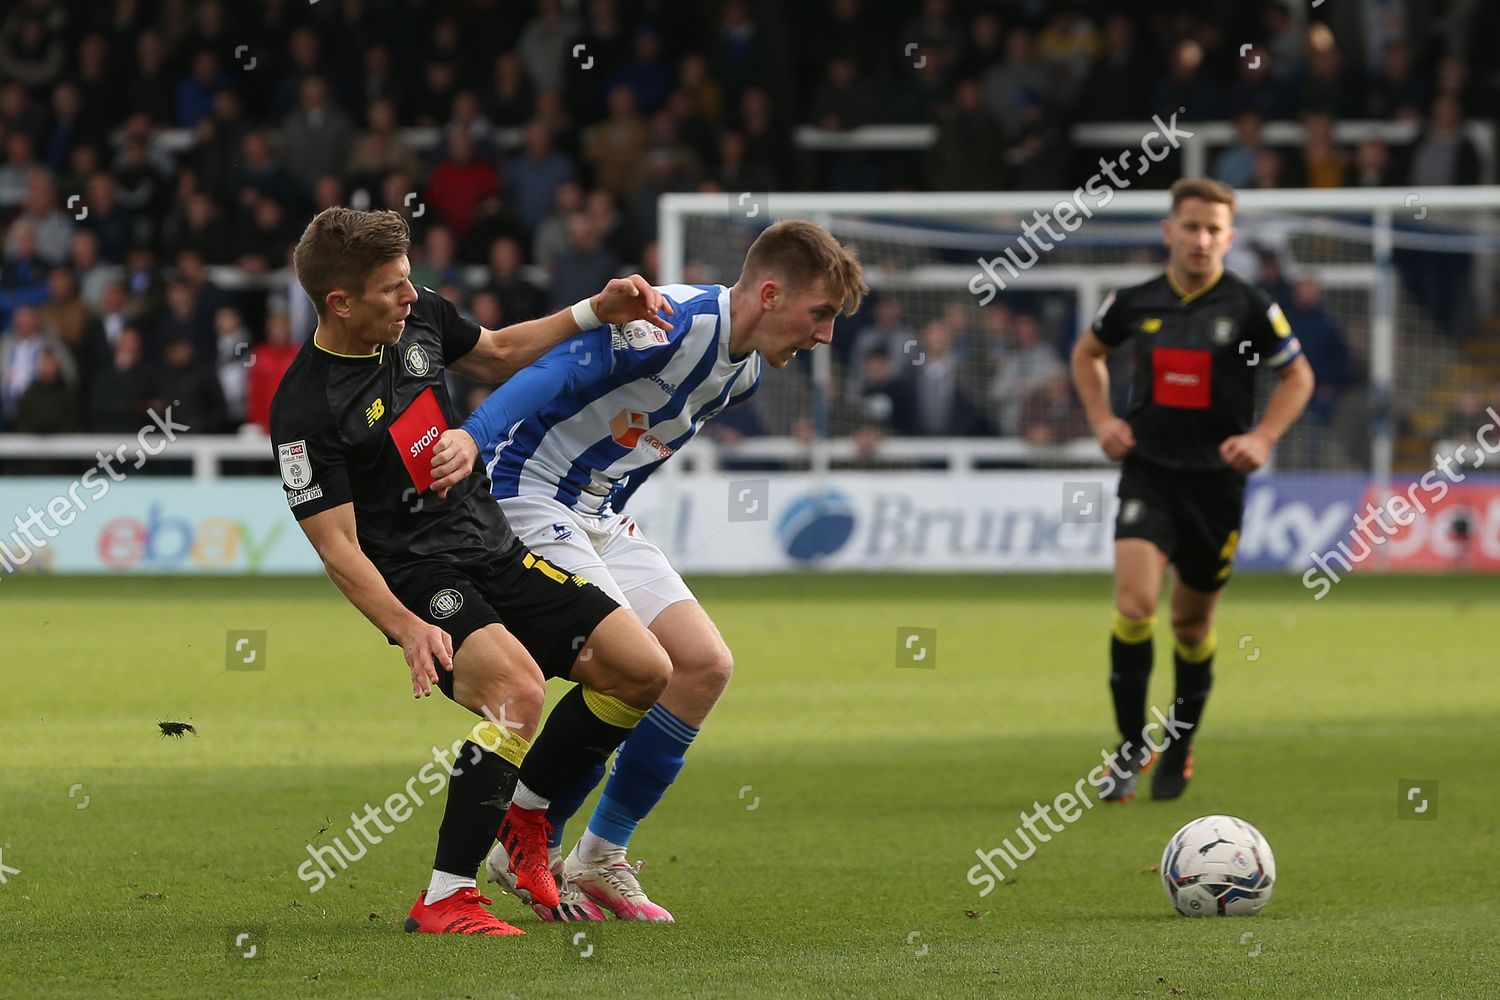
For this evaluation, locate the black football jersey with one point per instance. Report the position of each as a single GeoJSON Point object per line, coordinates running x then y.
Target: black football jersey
{"type": "Point", "coordinates": [1196, 358]}
{"type": "Point", "coordinates": [361, 430]}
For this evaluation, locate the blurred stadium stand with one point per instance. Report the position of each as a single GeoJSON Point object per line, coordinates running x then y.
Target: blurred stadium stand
{"type": "Point", "coordinates": [161, 158]}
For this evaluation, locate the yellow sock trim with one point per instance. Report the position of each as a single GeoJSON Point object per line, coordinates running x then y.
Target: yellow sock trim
{"type": "Point", "coordinates": [507, 743]}
{"type": "Point", "coordinates": [1134, 630]}
{"type": "Point", "coordinates": [611, 709]}
{"type": "Point", "coordinates": [1201, 651]}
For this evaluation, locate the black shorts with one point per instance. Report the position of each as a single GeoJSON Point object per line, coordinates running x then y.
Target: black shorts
{"type": "Point", "coordinates": [549, 610]}
{"type": "Point", "coordinates": [1193, 516]}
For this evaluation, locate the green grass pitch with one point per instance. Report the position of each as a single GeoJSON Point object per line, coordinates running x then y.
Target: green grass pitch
{"type": "Point", "coordinates": [817, 842]}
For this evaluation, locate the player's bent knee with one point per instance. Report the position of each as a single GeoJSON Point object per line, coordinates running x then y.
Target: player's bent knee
{"type": "Point", "coordinates": [708, 673]}
{"type": "Point", "coordinates": [1135, 607]}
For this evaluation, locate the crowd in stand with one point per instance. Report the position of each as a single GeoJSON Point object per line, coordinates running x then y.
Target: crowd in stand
{"type": "Point", "coordinates": [159, 159]}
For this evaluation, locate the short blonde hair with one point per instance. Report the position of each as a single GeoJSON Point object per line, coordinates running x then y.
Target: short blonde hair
{"type": "Point", "coordinates": [1203, 188]}
{"type": "Point", "coordinates": [341, 246]}
{"type": "Point", "coordinates": [800, 253]}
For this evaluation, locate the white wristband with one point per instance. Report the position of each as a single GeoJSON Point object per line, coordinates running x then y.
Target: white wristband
{"type": "Point", "coordinates": [584, 315]}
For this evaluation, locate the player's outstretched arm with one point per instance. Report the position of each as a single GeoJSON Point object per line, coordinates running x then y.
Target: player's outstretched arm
{"type": "Point", "coordinates": [1091, 379]}
{"type": "Point", "coordinates": [499, 354]}
{"type": "Point", "coordinates": [332, 534]}
{"type": "Point", "coordinates": [1248, 452]}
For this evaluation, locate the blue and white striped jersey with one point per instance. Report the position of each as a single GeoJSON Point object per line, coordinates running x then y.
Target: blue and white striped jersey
{"type": "Point", "coordinates": [589, 421]}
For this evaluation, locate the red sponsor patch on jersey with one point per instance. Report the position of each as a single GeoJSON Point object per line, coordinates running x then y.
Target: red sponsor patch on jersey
{"type": "Point", "coordinates": [415, 432]}
{"type": "Point", "coordinates": [1182, 378]}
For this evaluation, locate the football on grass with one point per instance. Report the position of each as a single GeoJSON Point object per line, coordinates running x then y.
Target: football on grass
{"type": "Point", "coordinates": [1218, 866]}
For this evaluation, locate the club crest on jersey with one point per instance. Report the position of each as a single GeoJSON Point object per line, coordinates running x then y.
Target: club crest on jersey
{"type": "Point", "coordinates": [638, 334]}
{"type": "Point", "coordinates": [446, 603]}
{"type": "Point", "coordinates": [416, 361]}
{"type": "Point", "coordinates": [1223, 331]}
{"type": "Point", "coordinates": [296, 467]}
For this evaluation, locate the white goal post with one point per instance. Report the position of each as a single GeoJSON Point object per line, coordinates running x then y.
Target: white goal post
{"type": "Point", "coordinates": [1371, 224]}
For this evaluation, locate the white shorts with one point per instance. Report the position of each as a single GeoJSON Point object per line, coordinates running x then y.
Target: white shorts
{"type": "Point", "coordinates": [610, 552]}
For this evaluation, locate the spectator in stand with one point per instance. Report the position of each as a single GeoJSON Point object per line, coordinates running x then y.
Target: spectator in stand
{"type": "Point", "coordinates": [151, 89]}
{"type": "Point", "coordinates": [195, 94]}
{"type": "Point", "coordinates": [121, 391]}
{"type": "Point", "coordinates": [64, 315]}
{"type": "Point", "coordinates": [468, 116]}
{"type": "Point", "coordinates": [1187, 84]}
{"type": "Point", "coordinates": [928, 400]}
{"type": "Point", "coordinates": [1068, 45]}
{"type": "Point", "coordinates": [114, 314]}
{"type": "Point", "coordinates": [49, 406]}
{"type": "Point", "coordinates": [543, 45]}
{"type": "Point", "coordinates": [197, 225]}
{"type": "Point", "coordinates": [970, 148]}
{"type": "Point", "coordinates": [874, 404]}
{"type": "Point", "coordinates": [23, 278]}
{"type": "Point", "coordinates": [21, 349]}
{"type": "Point", "coordinates": [1116, 86]}
{"type": "Point", "coordinates": [53, 229]}
{"type": "Point", "coordinates": [509, 101]}
{"type": "Point", "coordinates": [888, 333]}
{"type": "Point", "coordinates": [437, 263]}
{"type": "Point", "coordinates": [1444, 155]}
{"type": "Point", "coordinates": [1235, 166]}
{"type": "Point", "coordinates": [1324, 88]}
{"type": "Point", "coordinates": [218, 142]}
{"type": "Point", "coordinates": [380, 150]}
{"type": "Point", "coordinates": [648, 75]}
{"type": "Point", "coordinates": [1027, 368]}
{"type": "Point", "coordinates": [1051, 415]}
{"type": "Point", "coordinates": [534, 176]}
{"type": "Point", "coordinates": [617, 145]}
{"type": "Point", "coordinates": [1257, 88]}
{"type": "Point", "coordinates": [107, 219]}
{"type": "Point", "coordinates": [260, 174]}
{"type": "Point", "coordinates": [16, 170]}
{"type": "Point", "coordinates": [519, 298]}
{"type": "Point", "coordinates": [1396, 91]}
{"type": "Point", "coordinates": [459, 183]}
{"type": "Point", "coordinates": [1324, 163]}
{"type": "Point", "coordinates": [1020, 73]}
{"type": "Point", "coordinates": [31, 49]}
{"type": "Point", "coordinates": [1270, 170]}
{"type": "Point", "coordinates": [587, 264]}
{"type": "Point", "coordinates": [1372, 165]}
{"type": "Point", "coordinates": [269, 362]}
{"type": "Point", "coordinates": [550, 240]}
{"type": "Point", "coordinates": [232, 361]}
{"type": "Point", "coordinates": [264, 244]}
{"type": "Point", "coordinates": [315, 138]}
{"type": "Point", "coordinates": [193, 387]}
{"type": "Point", "coordinates": [1324, 346]}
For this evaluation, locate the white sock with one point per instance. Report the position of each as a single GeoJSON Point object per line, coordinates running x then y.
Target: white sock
{"type": "Point", "coordinates": [444, 885]}
{"type": "Point", "coordinates": [525, 798]}
{"type": "Point", "coordinates": [592, 847]}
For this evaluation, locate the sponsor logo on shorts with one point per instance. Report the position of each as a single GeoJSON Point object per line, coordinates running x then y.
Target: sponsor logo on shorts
{"type": "Point", "coordinates": [1132, 511]}
{"type": "Point", "coordinates": [446, 603]}
{"type": "Point", "coordinates": [562, 531]}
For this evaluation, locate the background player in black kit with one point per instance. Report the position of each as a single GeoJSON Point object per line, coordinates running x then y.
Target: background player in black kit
{"type": "Point", "coordinates": [1187, 445]}
{"type": "Point", "coordinates": [355, 423]}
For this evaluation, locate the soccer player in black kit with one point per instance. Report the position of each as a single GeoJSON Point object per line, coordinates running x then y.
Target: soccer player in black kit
{"type": "Point", "coordinates": [1199, 335]}
{"type": "Point", "coordinates": [359, 425]}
